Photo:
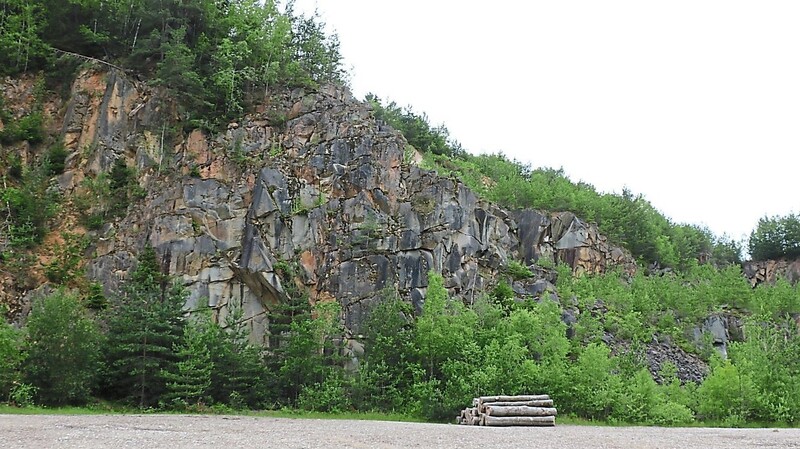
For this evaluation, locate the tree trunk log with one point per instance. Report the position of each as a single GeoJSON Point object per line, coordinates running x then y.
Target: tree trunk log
{"type": "Point", "coordinates": [520, 411]}
{"type": "Point", "coordinates": [521, 398]}
{"type": "Point", "coordinates": [505, 421]}
{"type": "Point", "coordinates": [542, 403]}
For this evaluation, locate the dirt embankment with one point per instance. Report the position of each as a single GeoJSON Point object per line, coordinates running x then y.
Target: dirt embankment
{"type": "Point", "coordinates": [229, 432]}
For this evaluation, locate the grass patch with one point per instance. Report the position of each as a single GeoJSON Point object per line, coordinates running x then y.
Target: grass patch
{"type": "Point", "coordinates": [37, 410]}
{"type": "Point", "coordinates": [107, 409]}
{"type": "Point", "coordinates": [359, 416]}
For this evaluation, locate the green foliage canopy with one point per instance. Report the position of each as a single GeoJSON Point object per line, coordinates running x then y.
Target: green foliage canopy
{"type": "Point", "coordinates": [775, 237]}
{"type": "Point", "coordinates": [64, 345]}
{"type": "Point", "coordinates": [11, 358]}
{"type": "Point", "coordinates": [209, 54]}
{"type": "Point", "coordinates": [415, 128]}
{"type": "Point", "coordinates": [625, 218]}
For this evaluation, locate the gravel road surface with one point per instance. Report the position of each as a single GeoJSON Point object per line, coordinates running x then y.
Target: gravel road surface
{"type": "Point", "coordinates": [229, 432]}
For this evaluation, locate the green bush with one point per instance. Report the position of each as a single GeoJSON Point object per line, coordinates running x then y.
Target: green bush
{"type": "Point", "coordinates": [64, 346]}
{"type": "Point", "coordinates": [15, 168]}
{"type": "Point", "coordinates": [23, 395]}
{"type": "Point", "coordinates": [638, 399]}
{"type": "Point", "coordinates": [725, 393]}
{"type": "Point", "coordinates": [415, 128]}
{"type": "Point", "coordinates": [94, 297]}
{"type": "Point", "coordinates": [121, 179]}
{"type": "Point", "coordinates": [28, 128]}
{"type": "Point", "coordinates": [326, 396]}
{"type": "Point", "coordinates": [671, 414]}
{"type": "Point", "coordinates": [503, 296]}
{"type": "Point", "coordinates": [769, 359]}
{"type": "Point", "coordinates": [56, 157]}
{"type": "Point", "coordinates": [390, 363]}
{"type": "Point", "coordinates": [189, 380]}
{"type": "Point", "coordinates": [66, 263]}
{"type": "Point", "coordinates": [518, 271]}
{"type": "Point", "coordinates": [593, 388]}
{"type": "Point", "coordinates": [30, 206]}
{"type": "Point", "coordinates": [11, 358]}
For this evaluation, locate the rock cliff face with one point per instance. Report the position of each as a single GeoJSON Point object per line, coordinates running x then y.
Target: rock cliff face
{"type": "Point", "coordinates": [311, 179]}
{"type": "Point", "coordinates": [769, 271]}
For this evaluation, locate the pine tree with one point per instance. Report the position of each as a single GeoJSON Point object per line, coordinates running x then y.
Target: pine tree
{"type": "Point", "coordinates": [190, 383]}
{"type": "Point", "coordinates": [144, 326]}
{"type": "Point", "coordinates": [293, 355]}
{"type": "Point", "coordinates": [239, 375]}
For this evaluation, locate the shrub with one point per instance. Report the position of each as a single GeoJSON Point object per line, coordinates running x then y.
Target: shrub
{"type": "Point", "coordinates": [66, 263]}
{"type": "Point", "coordinates": [56, 157]}
{"type": "Point", "coordinates": [593, 388]}
{"type": "Point", "coordinates": [95, 298]}
{"type": "Point", "coordinates": [189, 383]}
{"type": "Point", "coordinates": [390, 357]}
{"type": "Point", "coordinates": [326, 396]}
{"type": "Point", "coordinates": [63, 350]}
{"type": "Point", "coordinates": [30, 205]}
{"type": "Point", "coordinates": [638, 398]}
{"type": "Point", "coordinates": [725, 393]}
{"type": "Point", "coordinates": [415, 128]}
{"type": "Point", "coordinates": [671, 414]}
{"type": "Point", "coordinates": [518, 271]}
{"type": "Point", "coordinates": [503, 296]}
{"type": "Point", "coordinates": [28, 128]}
{"type": "Point", "coordinates": [11, 358]}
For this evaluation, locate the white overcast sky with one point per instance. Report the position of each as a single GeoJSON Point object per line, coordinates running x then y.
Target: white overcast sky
{"type": "Point", "coordinates": [694, 104]}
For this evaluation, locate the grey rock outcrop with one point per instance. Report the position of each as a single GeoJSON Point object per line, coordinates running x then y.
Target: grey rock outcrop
{"type": "Point", "coordinates": [718, 330]}
{"type": "Point", "coordinates": [563, 237]}
{"type": "Point", "coordinates": [311, 180]}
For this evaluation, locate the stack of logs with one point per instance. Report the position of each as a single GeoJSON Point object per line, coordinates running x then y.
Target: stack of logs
{"type": "Point", "coordinates": [530, 410]}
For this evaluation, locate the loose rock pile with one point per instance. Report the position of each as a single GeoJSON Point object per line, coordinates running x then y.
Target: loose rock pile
{"type": "Point", "coordinates": [527, 410]}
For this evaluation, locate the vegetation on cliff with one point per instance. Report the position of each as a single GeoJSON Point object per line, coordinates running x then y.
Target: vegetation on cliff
{"type": "Point", "coordinates": [626, 218]}
{"type": "Point", "coordinates": [776, 237]}
{"type": "Point", "coordinates": [211, 55]}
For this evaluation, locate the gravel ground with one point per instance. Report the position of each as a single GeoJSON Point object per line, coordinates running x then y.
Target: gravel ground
{"type": "Point", "coordinates": [228, 432]}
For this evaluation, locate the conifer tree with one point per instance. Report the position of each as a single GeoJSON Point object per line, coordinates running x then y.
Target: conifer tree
{"type": "Point", "coordinates": [190, 383]}
{"type": "Point", "coordinates": [289, 340]}
{"type": "Point", "coordinates": [145, 324]}
{"type": "Point", "coordinates": [239, 375]}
